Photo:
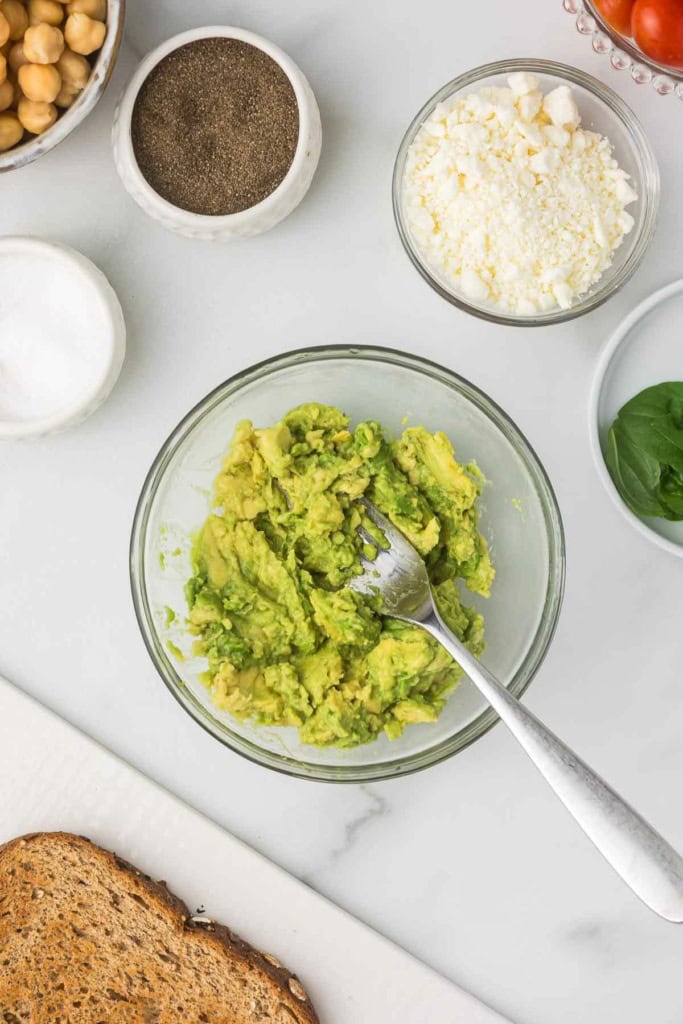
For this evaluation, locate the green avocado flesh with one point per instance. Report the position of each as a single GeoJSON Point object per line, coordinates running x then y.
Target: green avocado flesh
{"type": "Point", "coordinates": [287, 644]}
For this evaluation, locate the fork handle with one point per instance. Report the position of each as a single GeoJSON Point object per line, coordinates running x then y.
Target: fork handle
{"type": "Point", "coordinates": [643, 858]}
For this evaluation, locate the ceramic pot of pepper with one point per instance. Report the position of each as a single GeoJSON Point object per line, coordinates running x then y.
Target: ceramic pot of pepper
{"type": "Point", "coordinates": [218, 134]}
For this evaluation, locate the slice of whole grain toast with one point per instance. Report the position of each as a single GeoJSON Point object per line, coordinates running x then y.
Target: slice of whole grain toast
{"type": "Point", "coordinates": [85, 938]}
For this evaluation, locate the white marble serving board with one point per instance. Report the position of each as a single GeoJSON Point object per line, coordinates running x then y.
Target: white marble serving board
{"type": "Point", "coordinates": [53, 777]}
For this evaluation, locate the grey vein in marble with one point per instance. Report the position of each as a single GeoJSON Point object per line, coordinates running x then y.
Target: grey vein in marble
{"type": "Point", "coordinates": [377, 808]}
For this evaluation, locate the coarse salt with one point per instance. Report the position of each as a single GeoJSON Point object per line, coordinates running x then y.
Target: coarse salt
{"type": "Point", "coordinates": [511, 202]}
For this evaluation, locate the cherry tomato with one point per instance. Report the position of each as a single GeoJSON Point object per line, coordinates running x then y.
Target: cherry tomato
{"type": "Point", "coordinates": [617, 14]}
{"type": "Point", "coordinates": [658, 30]}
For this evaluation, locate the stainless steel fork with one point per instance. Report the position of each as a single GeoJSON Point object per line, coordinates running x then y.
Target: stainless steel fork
{"type": "Point", "coordinates": [645, 861]}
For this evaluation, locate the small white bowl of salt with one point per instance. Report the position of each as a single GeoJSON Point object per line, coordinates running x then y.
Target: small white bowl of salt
{"type": "Point", "coordinates": [62, 337]}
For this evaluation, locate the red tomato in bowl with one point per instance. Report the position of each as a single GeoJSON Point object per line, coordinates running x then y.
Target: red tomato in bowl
{"type": "Point", "coordinates": [617, 14]}
{"type": "Point", "coordinates": [658, 30]}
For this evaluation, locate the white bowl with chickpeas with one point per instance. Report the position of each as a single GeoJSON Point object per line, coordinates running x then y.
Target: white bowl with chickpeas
{"type": "Point", "coordinates": [56, 57]}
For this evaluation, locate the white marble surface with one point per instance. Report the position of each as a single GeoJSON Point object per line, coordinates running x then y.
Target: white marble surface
{"type": "Point", "coordinates": [472, 866]}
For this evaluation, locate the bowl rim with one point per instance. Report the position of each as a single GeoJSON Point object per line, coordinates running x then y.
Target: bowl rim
{"type": "Point", "coordinates": [124, 117]}
{"type": "Point", "coordinates": [102, 70]}
{"type": "Point", "coordinates": [650, 196]}
{"type": "Point", "coordinates": [525, 672]}
{"type": "Point", "coordinates": [617, 339]}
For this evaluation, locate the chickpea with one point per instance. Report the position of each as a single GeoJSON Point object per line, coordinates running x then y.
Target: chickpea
{"type": "Point", "coordinates": [67, 95]}
{"type": "Point", "coordinates": [96, 9]}
{"type": "Point", "coordinates": [11, 131]}
{"type": "Point", "coordinates": [48, 11]}
{"type": "Point", "coordinates": [40, 82]}
{"type": "Point", "coordinates": [36, 117]}
{"type": "Point", "coordinates": [74, 69]}
{"type": "Point", "coordinates": [43, 44]}
{"type": "Point", "coordinates": [17, 57]}
{"type": "Point", "coordinates": [6, 94]}
{"type": "Point", "coordinates": [83, 34]}
{"type": "Point", "coordinates": [4, 29]}
{"type": "Point", "coordinates": [16, 17]}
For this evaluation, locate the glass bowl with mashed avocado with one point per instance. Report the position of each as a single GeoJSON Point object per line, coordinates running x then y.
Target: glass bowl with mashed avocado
{"type": "Point", "coordinates": [251, 523]}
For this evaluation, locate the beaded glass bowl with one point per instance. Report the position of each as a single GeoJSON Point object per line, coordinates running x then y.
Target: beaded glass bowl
{"type": "Point", "coordinates": [623, 53]}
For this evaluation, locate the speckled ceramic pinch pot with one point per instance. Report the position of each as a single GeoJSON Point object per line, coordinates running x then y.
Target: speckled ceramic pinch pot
{"type": "Point", "coordinates": [256, 219]}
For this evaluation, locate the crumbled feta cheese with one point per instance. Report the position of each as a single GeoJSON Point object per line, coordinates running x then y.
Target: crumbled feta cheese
{"type": "Point", "coordinates": [529, 105]}
{"type": "Point", "coordinates": [555, 136]}
{"type": "Point", "coordinates": [545, 162]}
{"type": "Point", "coordinates": [511, 201]}
{"type": "Point", "coordinates": [523, 83]}
{"type": "Point", "coordinates": [561, 107]}
{"type": "Point", "coordinates": [625, 194]}
{"type": "Point", "coordinates": [564, 295]}
{"type": "Point", "coordinates": [473, 286]}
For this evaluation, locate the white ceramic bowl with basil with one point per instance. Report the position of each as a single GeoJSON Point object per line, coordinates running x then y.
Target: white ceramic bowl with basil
{"type": "Point", "coordinates": [638, 461]}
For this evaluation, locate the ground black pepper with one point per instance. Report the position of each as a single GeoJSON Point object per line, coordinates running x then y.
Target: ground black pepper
{"type": "Point", "coordinates": [215, 126]}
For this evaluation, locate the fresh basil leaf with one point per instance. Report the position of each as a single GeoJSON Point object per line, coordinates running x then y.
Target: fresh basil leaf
{"type": "Point", "coordinates": [612, 460]}
{"type": "Point", "coordinates": [654, 401]}
{"type": "Point", "coordinates": [645, 451]}
{"type": "Point", "coordinates": [672, 509]}
{"type": "Point", "coordinates": [666, 427]}
{"type": "Point", "coordinates": [652, 437]}
{"type": "Point", "coordinates": [636, 472]}
{"type": "Point", "coordinates": [671, 493]}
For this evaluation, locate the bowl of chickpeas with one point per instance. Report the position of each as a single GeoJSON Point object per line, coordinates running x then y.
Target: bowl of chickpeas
{"type": "Point", "coordinates": [56, 57]}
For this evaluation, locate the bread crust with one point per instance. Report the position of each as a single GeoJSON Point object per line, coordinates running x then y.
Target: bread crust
{"type": "Point", "coordinates": [230, 944]}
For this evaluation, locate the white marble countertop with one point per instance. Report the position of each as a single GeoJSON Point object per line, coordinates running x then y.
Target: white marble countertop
{"type": "Point", "coordinates": [473, 865]}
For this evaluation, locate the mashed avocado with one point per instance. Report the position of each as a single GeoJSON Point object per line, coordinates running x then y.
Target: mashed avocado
{"type": "Point", "coordinates": [286, 643]}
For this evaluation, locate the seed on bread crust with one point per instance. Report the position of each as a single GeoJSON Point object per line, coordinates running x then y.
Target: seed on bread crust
{"type": "Point", "coordinates": [297, 989]}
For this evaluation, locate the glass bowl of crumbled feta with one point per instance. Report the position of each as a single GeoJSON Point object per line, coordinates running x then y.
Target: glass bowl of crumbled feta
{"type": "Point", "coordinates": [526, 192]}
